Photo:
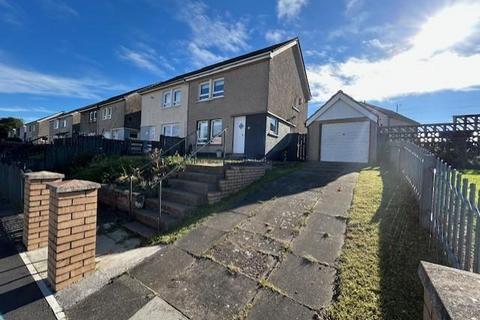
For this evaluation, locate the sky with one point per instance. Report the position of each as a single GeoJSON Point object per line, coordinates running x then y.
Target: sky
{"type": "Point", "coordinates": [420, 56]}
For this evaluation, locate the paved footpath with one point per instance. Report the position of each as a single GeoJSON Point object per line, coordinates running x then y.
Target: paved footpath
{"type": "Point", "coordinates": [272, 256]}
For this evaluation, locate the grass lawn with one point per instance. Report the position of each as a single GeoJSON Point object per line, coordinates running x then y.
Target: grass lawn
{"type": "Point", "coordinates": [383, 247]}
{"type": "Point", "coordinates": [203, 212]}
{"type": "Point", "coordinates": [473, 176]}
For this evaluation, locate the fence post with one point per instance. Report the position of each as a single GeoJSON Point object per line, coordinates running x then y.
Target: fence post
{"type": "Point", "coordinates": [427, 191]}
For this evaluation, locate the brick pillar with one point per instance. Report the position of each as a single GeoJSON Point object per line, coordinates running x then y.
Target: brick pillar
{"type": "Point", "coordinates": [72, 233]}
{"type": "Point", "coordinates": [36, 208]}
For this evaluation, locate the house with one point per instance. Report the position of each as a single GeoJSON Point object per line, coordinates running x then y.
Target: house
{"type": "Point", "coordinates": [164, 110]}
{"type": "Point", "coordinates": [345, 130]}
{"type": "Point", "coordinates": [37, 131]}
{"type": "Point", "coordinates": [119, 117]}
{"type": "Point", "coordinates": [259, 97]}
{"type": "Point", "coordinates": [88, 120]}
{"type": "Point", "coordinates": [65, 125]}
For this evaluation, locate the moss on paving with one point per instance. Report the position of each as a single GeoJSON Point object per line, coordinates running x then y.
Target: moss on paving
{"type": "Point", "coordinates": [383, 247]}
{"type": "Point", "coordinates": [230, 202]}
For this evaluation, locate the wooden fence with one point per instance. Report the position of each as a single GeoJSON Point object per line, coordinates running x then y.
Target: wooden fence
{"type": "Point", "coordinates": [11, 184]}
{"type": "Point", "coordinates": [449, 205]}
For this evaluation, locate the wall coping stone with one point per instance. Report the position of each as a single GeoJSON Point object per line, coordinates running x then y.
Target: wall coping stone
{"type": "Point", "coordinates": [43, 175]}
{"type": "Point", "coordinates": [72, 186]}
{"type": "Point", "coordinates": [454, 292]}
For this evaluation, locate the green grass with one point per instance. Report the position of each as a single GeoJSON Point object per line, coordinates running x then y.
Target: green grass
{"type": "Point", "coordinates": [383, 247]}
{"type": "Point", "coordinates": [228, 203]}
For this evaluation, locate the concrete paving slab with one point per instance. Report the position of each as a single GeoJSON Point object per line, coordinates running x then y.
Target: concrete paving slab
{"type": "Point", "coordinates": [158, 309]}
{"type": "Point", "coordinates": [310, 284]}
{"type": "Point", "coordinates": [39, 259]}
{"type": "Point", "coordinates": [271, 305]}
{"type": "Point", "coordinates": [324, 247]}
{"type": "Point", "coordinates": [250, 262]}
{"type": "Point", "coordinates": [224, 221]}
{"type": "Point", "coordinates": [118, 300]}
{"type": "Point", "coordinates": [162, 267]}
{"type": "Point", "coordinates": [199, 240]}
{"type": "Point", "coordinates": [322, 223]}
{"type": "Point", "coordinates": [209, 291]}
{"type": "Point", "coordinates": [256, 241]}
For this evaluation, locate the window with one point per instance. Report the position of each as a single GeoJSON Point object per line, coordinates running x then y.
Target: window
{"type": "Point", "coordinates": [218, 88]}
{"type": "Point", "coordinates": [202, 131]}
{"type": "Point", "coordinates": [56, 124]}
{"type": "Point", "coordinates": [272, 125]}
{"type": "Point", "coordinates": [171, 130]}
{"type": "Point", "coordinates": [204, 91]}
{"type": "Point", "coordinates": [64, 123]}
{"type": "Point", "coordinates": [93, 116]}
{"type": "Point", "coordinates": [167, 99]}
{"type": "Point", "coordinates": [177, 97]}
{"type": "Point", "coordinates": [107, 113]}
{"type": "Point", "coordinates": [216, 126]}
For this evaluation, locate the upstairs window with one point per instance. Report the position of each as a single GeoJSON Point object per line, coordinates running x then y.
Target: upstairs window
{"type": "Point", "coordinates": [107, 113]}
{"type": "Point", "coordinates": [218, 85]}
{"type": "Point", "coordinates": [167, 99]}
{"type": "Point", "coordinates": [177, 97]}
{"type": "Point", "coordinates": [204, 91]}
{"type": "Point", "coordinates": [93, 116]}
{"type": "Point", "coordinates": [56, 124]}
{"type": "Point", "coordinates": [64, 123]}
{"type": "Point", "coordinates": [272, 126]}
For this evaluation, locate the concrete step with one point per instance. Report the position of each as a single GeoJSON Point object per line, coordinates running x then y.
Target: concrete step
{"type": "Point", "coordinates": [180, 196]}
{"type": "Point", "coordinates": [200, 176]}
{"type": "Point", "coordinates": [192, 186]}
{"type": "Point", "coordinates": [217, 170]}
{"type": "Point", "coordinates": [150, 218]}
{"type": "Point", "coordinates": [172, 208]}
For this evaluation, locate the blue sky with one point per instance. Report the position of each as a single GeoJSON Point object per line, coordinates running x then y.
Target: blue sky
{"type": "Point", "coordinates": [421, 55]}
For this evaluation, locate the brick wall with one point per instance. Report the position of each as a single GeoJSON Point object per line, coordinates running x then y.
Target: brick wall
{"type": "Point", "coordinates": [72, 231]}
{"type": "Point", "coordinates": [236, 178]}
{"type": "Point", "coordinates": [36, 208]}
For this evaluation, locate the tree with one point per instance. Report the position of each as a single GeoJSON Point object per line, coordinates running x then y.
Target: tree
{"type": "Point", "coordinates": [6, 124]}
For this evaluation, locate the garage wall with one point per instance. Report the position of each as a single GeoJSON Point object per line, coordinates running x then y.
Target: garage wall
{"type": "Point", "coordinates": [313, 140]}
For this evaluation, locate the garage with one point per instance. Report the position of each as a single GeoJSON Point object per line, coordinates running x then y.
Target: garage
{"type": "Point", "coordinates": [345, 142]}
{"type": "Point", "coordinates": [345, 130]}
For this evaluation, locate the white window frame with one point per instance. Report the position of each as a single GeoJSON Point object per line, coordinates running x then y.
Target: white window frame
{"type": "Point", "coordinates": [107, 113]}
{"type": "Point", "coordinates": [203, 140]}
{"type": "Point", "coordinates": [269, 130]}
{"type": "Point", "coordinates": [93, 116]}
{"type": "Point", "coordinates": [175, 102]}
{"type": "Point", "coordinates": [64, 123]}
{"type": "Point", "coordinates": [167, 104]}
{"type": "Point", "coordinates": [171, 126]}
{"type": "Point", "coordinates": [220, 93]}
{"type": "Point", "coordinates": [204, 97]}
{"type": "Point", "coordinates": [56, 124]}
{"type": "Point", "coordinates": [217, 140]}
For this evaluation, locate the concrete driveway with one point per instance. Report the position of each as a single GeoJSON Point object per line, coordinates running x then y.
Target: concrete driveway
{"type": "Point", "coordinates": [272, 256]}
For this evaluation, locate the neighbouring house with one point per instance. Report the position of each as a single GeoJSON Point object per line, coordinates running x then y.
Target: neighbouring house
{"type": "Point", "coordinates": [65, 125]}
{"type": "Point", "coordinates": [345, 130]}
{"type": "Point", "coordinates": [37, 131]}
{"type": "Point", "coordinates": [89, 117]}
{"type": "Point", "coordinates": [164, 110]}
{"type": "Point", "coordinates": [119, 117]}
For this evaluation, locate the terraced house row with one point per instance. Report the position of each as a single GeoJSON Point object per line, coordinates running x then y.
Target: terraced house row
{"type": "Point", "coordinates": [260, 97]}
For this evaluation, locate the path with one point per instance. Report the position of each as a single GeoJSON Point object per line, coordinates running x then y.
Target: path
{"type": "Point", "coordinates": [272, 256]}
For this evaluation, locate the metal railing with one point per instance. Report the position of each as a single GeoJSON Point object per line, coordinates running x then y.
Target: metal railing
{"type": "Point", "coordinates": [449, 205]}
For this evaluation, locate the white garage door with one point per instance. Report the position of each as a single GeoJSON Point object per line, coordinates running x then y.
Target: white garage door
{"type": "Point", "coordinates": [345, 142]}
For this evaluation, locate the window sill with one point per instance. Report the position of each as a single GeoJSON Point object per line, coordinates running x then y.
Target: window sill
{"type": "Point", "coordinates": [210, 99]}
{"type": "Point", "coordinates": [272, 134]}
{"type": "Point", "coordinates": [172, 107]}
{"type": "Point", "coordinates": [296, 109]}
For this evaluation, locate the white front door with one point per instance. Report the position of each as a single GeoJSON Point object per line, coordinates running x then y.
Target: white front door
{"type": "Point", "coordinates": [239, 135]}
{"type": "Point", "coordinates": [345, 142]}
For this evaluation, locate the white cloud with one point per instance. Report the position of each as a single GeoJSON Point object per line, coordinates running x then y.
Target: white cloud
{"type": "Point", "coordinates": [377, 44]}
{"type": "Point", "coordinates": [145, 58]}
{"type": "Point", "coordinates": [430, 64]}
{"type": "Point", "coordinates": [351, 6]}
{"type": "Point", "coordinates": [59, 9]}
{"type": "Point", "coordinates": [26, 109]}
{"type": "Point", "coordinates": [289, 9]}
{"type": "Point", "coordinates": [316, 53]}
{"type": "Point", "coordinates": [276, 35]}
{"type": "Point", "coordinates": [212, 36]}
{"type": "Point", "coordinates": [19, 80]}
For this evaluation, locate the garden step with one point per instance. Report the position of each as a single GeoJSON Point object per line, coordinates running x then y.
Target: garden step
{"type": "Point", "coordinates": [170, 207]}
{"type": "Point", "coordinates": [218, 170]}
{"type": "Point", "coordinates": [185, 197]}
{"type": "Point", "coordinates": [192, 186]}
{"type": "Point", "coordinates": [150, 218]}
{"type": "Point", "coordinates": [200, 176]}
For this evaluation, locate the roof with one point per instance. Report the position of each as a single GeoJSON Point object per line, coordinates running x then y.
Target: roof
{"type": "Point", "coordinates": [219, 65]}
{"type": "Point", "coordinates": [46, 118]}
{"type": "Point", "coordinates": [366, 106]}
